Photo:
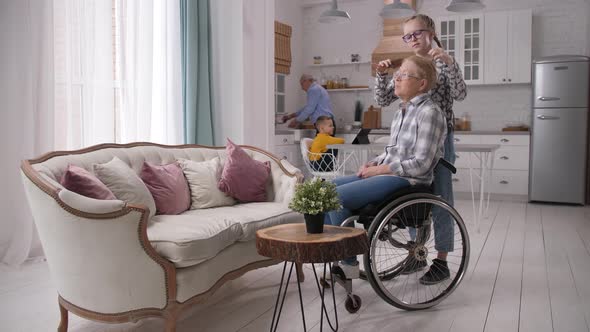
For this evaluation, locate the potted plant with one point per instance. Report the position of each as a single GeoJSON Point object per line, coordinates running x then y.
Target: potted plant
{"type": "Point", "coordinates": [313, 198]}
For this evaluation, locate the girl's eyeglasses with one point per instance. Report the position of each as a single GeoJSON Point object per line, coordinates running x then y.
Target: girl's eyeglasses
{"type": "Point", "coordinates": [416, 34]}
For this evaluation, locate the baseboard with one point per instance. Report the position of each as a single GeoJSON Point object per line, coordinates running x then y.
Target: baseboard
{"type": "Point", "coordinates": [493, 197]}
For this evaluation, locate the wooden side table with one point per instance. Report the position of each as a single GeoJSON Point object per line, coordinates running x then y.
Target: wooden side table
{"type": "Point", "coordinates": [291, 243]}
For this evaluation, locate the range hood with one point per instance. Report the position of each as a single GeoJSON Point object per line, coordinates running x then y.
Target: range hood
{"type": "Point", "coordinates": [391, 46]}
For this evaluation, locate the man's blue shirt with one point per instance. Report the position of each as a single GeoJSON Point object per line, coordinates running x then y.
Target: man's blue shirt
{"type": "Point", "coordinates": [318, 104]}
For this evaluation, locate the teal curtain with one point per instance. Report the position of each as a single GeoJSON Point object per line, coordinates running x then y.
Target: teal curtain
{"type": "Point", "coordinates": [196, 72]}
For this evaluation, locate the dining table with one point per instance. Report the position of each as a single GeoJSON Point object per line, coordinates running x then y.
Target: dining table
{"type": "Point", "coordinates": [481, 163]}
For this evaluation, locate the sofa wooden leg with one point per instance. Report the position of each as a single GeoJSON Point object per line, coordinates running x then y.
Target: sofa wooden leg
{"type": "Point", "coordinates": [299, 267]}
{"type": "Point", "coordinates": [63, 323]}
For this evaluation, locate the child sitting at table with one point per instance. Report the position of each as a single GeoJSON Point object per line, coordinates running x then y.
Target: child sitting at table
{"type": "Point", "coordinates": [320, 157]}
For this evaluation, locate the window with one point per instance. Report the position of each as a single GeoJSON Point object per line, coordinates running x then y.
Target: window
{"type": "Point", "coordinates": [117, 72]}
{"type": "Point", "coordinates": [280, 93]}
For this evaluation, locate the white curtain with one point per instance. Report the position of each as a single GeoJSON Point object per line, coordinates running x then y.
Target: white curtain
{"type": "Point", "coordinates": [84, 73]}
{"type": "Point", "coordinates": [77, 73]}
{"type": "Point", "coordinates": [26, 115]}
{"type": "Point", "coordinates": [118, 72]}
{"type": "Point", "coordinates": [150, 71]}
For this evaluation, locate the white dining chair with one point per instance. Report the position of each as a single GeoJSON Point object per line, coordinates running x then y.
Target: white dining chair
{"type": "Point", "coordinates": [323, 170]}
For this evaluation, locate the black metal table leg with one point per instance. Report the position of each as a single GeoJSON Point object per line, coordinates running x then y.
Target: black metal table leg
{"type": "Point", "coordinates": [279, 308]}
{"type": "Point", "coordinates": [273, 324]}
{"type": "Point", "coordinates": [321, 290]}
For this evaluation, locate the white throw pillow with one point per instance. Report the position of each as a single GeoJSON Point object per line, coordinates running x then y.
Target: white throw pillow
{"type": "Point", "coordinates": [125, 183]}
{"type": "Point", "coordinates": [202, 180]}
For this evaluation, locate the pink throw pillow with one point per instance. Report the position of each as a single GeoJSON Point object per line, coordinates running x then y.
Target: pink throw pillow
{"type": "Point", "coordinates": [168, 186]}
{"type": "Point", "coordinates": [83, 182]}
{"type": "Point", "coordinates": [243, 178]}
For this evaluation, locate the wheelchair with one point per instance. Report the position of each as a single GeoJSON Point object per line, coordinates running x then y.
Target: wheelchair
{"type": "Point", "coordinates": [402, 239]}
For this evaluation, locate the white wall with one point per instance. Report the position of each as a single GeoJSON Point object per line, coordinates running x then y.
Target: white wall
{"type": "Point", "coordinates": [259, 73]}
{"type": "Point", "coordinates": [335, 43]}
{"type": "Point", "coordinates": [227, 61]}
{"type": "Point", "coordinates": [243, 79]}
{"type": "Point", "coordinates": [559, 27]}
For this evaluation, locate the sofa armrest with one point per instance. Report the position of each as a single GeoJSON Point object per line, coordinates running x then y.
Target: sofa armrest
{"type": "Point", "coordinates": [98, 252]}
{"type": "Point", "coordinates": [284, 180]}
{"type": "Point", "coordinates": [89, 205]}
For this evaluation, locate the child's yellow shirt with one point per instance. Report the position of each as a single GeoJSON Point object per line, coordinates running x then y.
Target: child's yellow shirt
{"type": "Point", "coordinates": [319, 145]}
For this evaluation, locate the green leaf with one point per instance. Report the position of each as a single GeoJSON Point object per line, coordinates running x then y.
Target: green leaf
{"type": "Point", "coordinates": [315, 196]}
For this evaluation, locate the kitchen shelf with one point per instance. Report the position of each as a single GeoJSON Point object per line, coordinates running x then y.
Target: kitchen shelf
{"type": "Point", "coordinates": [349, 89]}
{"type": "Point", "coordinates": [340, 64]}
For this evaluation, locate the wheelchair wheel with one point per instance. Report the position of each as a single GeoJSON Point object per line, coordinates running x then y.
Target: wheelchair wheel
{"type": "Point", "coordinates": [403, 244]}
{"type": "Point", "coordinates": [353, 303]}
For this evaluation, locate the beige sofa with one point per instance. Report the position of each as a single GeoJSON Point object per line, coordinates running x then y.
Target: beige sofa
{"type": "Point", "coordinates": [110, 262]}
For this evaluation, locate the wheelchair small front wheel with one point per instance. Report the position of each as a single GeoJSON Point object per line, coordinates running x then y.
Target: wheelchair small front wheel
{"type": "Point", "coordinates": [405, 237]}
{"type": "Point", "coordinates": [353, 303]}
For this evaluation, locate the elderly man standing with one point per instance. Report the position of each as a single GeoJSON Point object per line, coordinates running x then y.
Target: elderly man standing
{"type": "Point", "coordinates": [318, 103]}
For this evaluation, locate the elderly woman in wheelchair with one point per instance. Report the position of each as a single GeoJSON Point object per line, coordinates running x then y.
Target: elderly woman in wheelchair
{"type": "Point", "coordinates": [391, 196]}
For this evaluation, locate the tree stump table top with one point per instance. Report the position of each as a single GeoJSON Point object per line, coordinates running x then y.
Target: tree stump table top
{"type": "Point", "coordinates": [291, 242]}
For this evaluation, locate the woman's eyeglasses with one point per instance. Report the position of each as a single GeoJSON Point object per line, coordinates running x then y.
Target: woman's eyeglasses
{"type": "Point", "coordinates": [403, 76]}
{"type": "Point", "coordinates": [416, 34]}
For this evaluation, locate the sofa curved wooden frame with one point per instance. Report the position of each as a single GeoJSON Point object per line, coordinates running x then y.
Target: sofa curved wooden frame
{"type": "Point", "coordinates": [173, 308]}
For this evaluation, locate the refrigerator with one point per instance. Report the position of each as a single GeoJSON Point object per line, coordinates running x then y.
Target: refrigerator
{"type": "Point", "coordinates": [559, 149]}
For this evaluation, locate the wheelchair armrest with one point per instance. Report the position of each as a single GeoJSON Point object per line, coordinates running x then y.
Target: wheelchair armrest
{"type": "Point", "coordinates": [448, 165]}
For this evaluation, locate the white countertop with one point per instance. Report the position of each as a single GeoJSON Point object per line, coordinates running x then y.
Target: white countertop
{"type": "Point", "coordinates": [386, 131]}
{"type": "Point", "coordinates": [491, 132]}
{"type": "Point", "coordinates": [381, 146]}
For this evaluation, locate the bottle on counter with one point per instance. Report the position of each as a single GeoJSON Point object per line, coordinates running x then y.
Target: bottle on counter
{"type": "Point", "coordinates": [466, 121]}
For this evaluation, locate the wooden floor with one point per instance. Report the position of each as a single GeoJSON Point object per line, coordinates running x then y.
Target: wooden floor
{"type": "Point", "coordinates": [529, 271]}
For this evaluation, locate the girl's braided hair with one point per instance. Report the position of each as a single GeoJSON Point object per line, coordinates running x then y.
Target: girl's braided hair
{"type": "Point", "coordinates": [428, 22]}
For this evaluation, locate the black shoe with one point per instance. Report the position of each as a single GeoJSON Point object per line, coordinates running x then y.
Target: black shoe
{"type": "Point", "coordinates": [439, 271]}
{"type": "Point", "coordinates": [412, 265]}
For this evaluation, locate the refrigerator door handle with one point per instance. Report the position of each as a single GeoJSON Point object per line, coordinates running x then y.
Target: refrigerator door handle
{"type": "Point", "coordinates": [547, 98]}
{"type": "Point", "coordinates": [547, 117]}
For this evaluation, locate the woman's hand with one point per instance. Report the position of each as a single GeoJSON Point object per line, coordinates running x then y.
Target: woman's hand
{"type": "Point", "coordinates": [438, 53]}
{"type": "Point", "coordinates": [369, 171]}
{"type": "Point", "coordinates": [361, 170]}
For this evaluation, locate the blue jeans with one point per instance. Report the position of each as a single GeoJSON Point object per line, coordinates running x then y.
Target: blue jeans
{"type": "Point", "coordinates": [444, 228]}
{"type": "Point", "coordinates": [355, 192]}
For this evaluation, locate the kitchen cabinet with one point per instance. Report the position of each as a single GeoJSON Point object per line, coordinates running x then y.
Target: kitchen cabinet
{"type": "Point", "coordinates": [509, 174]}
{"type": "Point", "coordinates": [462, 37]}
{"type": "Point", "coordinates": [286, 148]}
{"type": "Point", "coordinates": [508, 39]}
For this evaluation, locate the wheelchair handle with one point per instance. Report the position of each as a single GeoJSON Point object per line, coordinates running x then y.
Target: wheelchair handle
{"type": "Point", "coordinates": [448, 165]}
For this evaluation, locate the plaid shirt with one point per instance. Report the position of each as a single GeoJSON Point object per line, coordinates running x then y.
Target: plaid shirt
{"type": "Point", "coordinates": [450, 87]}
{"type": "Point", "coordinates": [418, 132]}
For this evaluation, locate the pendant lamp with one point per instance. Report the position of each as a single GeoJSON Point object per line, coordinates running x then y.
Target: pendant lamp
{"type": "Point", "coordinates": [463, 6]}
{"type": "Point", "coordinates": [333, 15]}
{"type": "Point", "coordinates": [397, 9]}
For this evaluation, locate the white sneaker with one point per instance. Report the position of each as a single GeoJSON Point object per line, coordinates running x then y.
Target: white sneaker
{"type": "Point", "coordinates": [350, 271]}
